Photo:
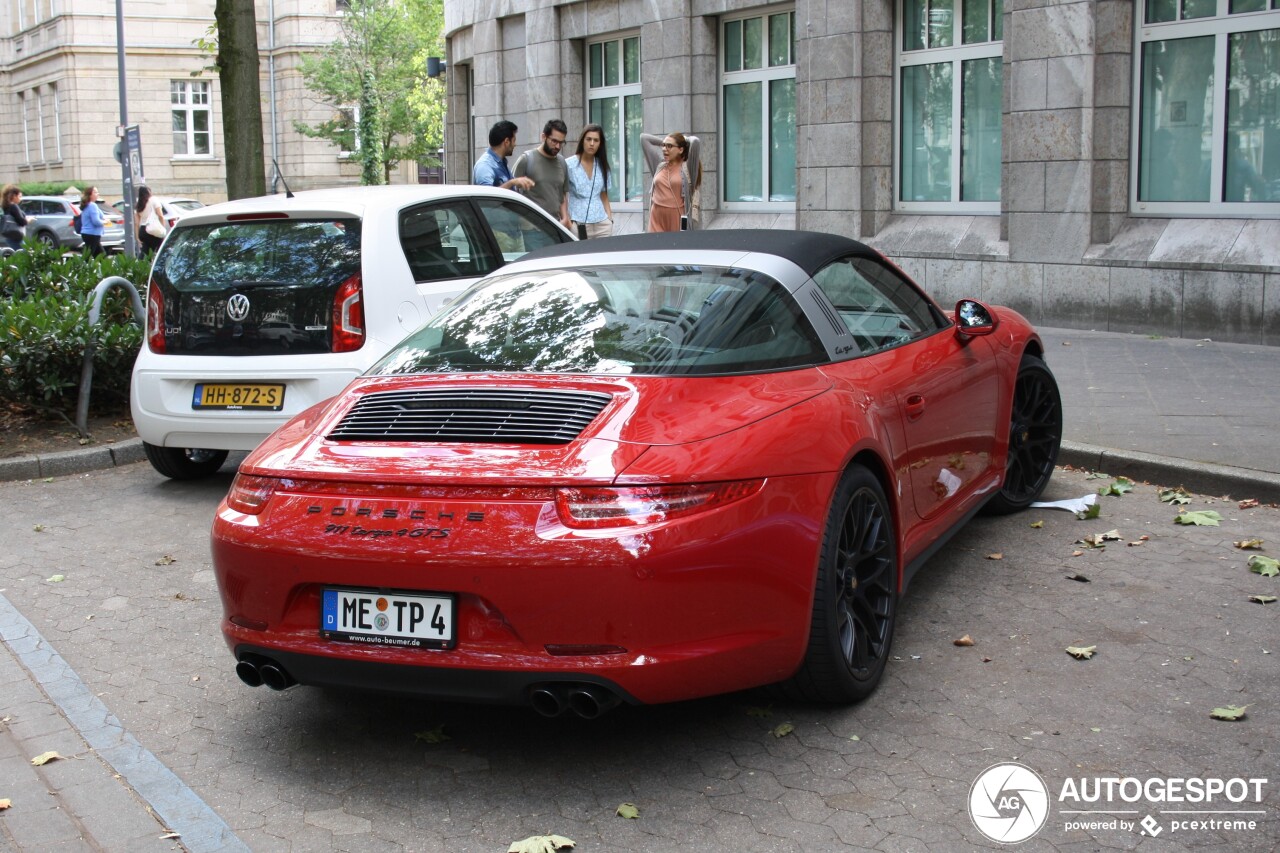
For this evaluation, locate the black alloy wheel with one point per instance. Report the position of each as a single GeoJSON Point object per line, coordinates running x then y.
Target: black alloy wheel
{"type": "Point", "coordinates": [184, 463]}
{"type": "Point", "coordinates": [1035, 434]}
{"type": "Point", "coordinates": [855, 598]}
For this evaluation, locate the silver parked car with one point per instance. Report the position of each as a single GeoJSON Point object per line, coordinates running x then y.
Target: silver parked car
{"type": "Point", "coordinates": [50, 219]}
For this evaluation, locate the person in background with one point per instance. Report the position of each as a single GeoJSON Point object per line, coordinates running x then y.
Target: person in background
{"type": "Point", "coordinates": [491, 169]}
{"type": "Point", "coordinates": [148, 207]}
{"type": "Point", "coordinates": [547, 169]}
{"type": "Point", "coordinates": [590, 213]}
{"type": "Point", "coordinates": [677, 181]}
{"type": "Point", "coordinates": [10, 197]}
{"type": "Point", "coordinates": [91, 221]}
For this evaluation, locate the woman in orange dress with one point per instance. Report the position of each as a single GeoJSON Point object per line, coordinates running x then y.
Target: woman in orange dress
{"type": "Point", "coordinates": [675, 182]}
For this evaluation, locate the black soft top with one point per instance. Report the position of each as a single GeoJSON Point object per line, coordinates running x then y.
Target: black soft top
{"type": "Point", "coordinates": [809, 250]}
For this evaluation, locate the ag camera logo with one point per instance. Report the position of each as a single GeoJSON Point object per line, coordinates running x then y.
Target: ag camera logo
{"type": "Point", "coordinates": [1008, 803]}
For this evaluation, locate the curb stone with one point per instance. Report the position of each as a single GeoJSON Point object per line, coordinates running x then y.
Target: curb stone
{"type": "Point", "coordinates": [63, 463]}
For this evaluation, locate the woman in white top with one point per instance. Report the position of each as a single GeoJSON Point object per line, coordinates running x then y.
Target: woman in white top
{"type": "Point", "coordinates": [149, 217]}
{"type": "Point", "coordinates": [588, 191]}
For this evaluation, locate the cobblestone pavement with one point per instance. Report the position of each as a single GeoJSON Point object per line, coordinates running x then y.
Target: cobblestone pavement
{"type": "Point", "coordinates": [136, 618]}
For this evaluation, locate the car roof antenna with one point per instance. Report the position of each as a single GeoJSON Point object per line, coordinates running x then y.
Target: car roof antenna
{"type": "Point", "coordinates": [278, 176]}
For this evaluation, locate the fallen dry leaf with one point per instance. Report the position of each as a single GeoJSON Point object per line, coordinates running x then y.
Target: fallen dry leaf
{"type": "Point", "coordinates": [1081, 652]}
{"type": "Point", "coordinates": [1248, 503]}
{"type": "Point", "coordinates": [1229, 713]}
{"type": "Point", "coordinates": [166, 560]}
{"type": "Point", "coordinates": [1135, 543]}
{"type": "Point", "coordinates": [783, 730]}
{"type": "Point", "coordinates": [45, 757]}
{"type": "Point", "coordinates": [996, 556]}
{"type": "Point", "coordinates": [1037, 524]}
{"type": "Point", "coordinates": [1249, 544]}
{"type": "Point", "coordinates": [1262, 599]}
{"type": "Point", "coordinates": [1077, 553]}
{"type": "Point", "coordinates": [4, 804]}
{"type": "Point", "coordinates": [541, 844]}
{"type": "Point", "coordinates": [628, 810]}
{"type": "Point", "coordinates": [1077, 576]}
{"type": "Point", "coordinates": [966, 640]}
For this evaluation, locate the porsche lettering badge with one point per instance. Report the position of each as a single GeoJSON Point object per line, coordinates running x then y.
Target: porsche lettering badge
{"type": "Point", "coordinates": [368, 513]}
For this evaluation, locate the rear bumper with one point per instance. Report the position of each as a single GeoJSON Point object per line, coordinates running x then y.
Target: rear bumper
{"type": "Point", "coordinates": [709, 604]}
{"type": "Point", "coordinates": [161, 403]}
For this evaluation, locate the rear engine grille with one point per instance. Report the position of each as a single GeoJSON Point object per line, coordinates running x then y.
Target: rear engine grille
{"type": "Point", "coordinates": [471, 415]}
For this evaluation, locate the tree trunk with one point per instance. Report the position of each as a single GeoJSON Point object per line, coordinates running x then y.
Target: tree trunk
{"type": "Point", "coordinates": [241, 98]}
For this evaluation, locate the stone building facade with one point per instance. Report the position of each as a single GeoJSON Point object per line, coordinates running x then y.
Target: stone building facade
{"type": "Point", "coordinates": [60, 106]}
{"type": "Point", "coordinates": [1101, 164]}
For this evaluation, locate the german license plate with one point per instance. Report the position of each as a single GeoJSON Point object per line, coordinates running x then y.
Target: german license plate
{"type": "Point", "coordinates": [221, 395]}
{"type": "Point", "coordinates": [387, 619]}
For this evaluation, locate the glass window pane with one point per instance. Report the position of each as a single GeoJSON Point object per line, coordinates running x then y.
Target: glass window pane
{"type": "Point", "coordinates": [1238, 6]}
{"type": "Point", "coordinates": [631, 60]}
{"type": "Point", "coordinates": [752, 42]}
{"type": "Point", "coordinates": [597, 65]}
{"type": "Point", "coordinates": [604, 112]}
{"type": "Point", "coordinates": [980, 130]}
{"type": "Point", "coordinates": [743, 142]}
{"type": "Point", "coordinates": [1176, 120]}
{"type": "Point", "coordinates": [914, 16]}
{"type": "Point", "coordinates": [782, 140]}
{"type": "Point", "coordinates": [633, 111]}
{"type": "Point", "coordinates": [926, 132]}
{"type": "Point", "coordinates": [997, 20]}
{"type": "Point", "coordinates": [1159, 11]}
{"type": "Point", "coordinates": [1199, 8]}
{"type": "Point", "coordinates": [941, 23]}
{"type": "Point", "coordinates": [1252, 153]}
{"type": "Point", "coordinates": [202, 143]}
{"type": "Point", "coordinates": [793, 37]}
{"type": "Point", "coordinates": [779, 40]}
{"type": "Point", "coordinates": [611, 66]}
{"type": "Point", "coordinates": [976, 23]}
{"type": "Point", "coordinates": [733, 46]}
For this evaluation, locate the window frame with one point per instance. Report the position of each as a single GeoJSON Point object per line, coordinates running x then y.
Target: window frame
{"type": "Point", "coordinates": [765, 75]}
{"type": "Point", "coordinates": [957, 53]}
{"type": "Point", "coordinates": [923, 309]}
{"type": "Point", "coordinates": [352, 110]}
{"type": "Point", "coordinates": [619, 92]}
{"type": "Point", "coordinates": [191, 107]}
{"type": "Point", "coordinates": [1221, 26]}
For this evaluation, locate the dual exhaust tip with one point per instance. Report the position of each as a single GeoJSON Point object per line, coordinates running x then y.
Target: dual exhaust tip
{"type": "Point", "coordinates": [257, 671]}
{"type": "Point", "coordinates": [588, 701]}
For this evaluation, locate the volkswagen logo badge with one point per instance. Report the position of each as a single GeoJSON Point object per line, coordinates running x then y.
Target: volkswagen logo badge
{"type": "Point", "coordinates": [238, 307]}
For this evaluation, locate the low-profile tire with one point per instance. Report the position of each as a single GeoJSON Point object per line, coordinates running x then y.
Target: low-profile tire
{"type": "Point", "coordinates": [855, 599]}
{"type": "Point", "coordinates": [184, 463]}
{"type": "Point", "coordinates": [1035, 434]}
{"type": "Point", "coordinates": [48, 238]}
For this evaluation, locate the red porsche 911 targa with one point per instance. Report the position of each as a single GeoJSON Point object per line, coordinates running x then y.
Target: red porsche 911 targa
{"type": "Point", "coordinates": [642, 469]}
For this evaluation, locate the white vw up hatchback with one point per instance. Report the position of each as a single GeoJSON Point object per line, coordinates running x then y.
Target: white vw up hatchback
{"type": "Point", "coordinates": [260, 308]}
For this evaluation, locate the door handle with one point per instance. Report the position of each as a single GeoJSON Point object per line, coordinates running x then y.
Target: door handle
{"type": "Point", "coordinates": [915, 407]}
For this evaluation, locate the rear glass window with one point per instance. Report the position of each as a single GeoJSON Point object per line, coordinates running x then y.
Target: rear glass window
{"type": "Point", "coordinates": [685, 320]}
{"type": "Point", "coordinates": [293, 252]}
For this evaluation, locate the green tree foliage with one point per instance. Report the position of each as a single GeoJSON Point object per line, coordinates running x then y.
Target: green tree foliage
{"type": "Point", "coordinates": [379, 62]}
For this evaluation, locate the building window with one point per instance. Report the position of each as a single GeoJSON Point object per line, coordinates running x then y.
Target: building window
{"type": "Point", "coordinates": [347, 123]}
{"type": "Point", "coordinates": [613, 102]}
{"type": "Point", "coordinates": [26, 129]}
{"type": "Point", "coordinates": [1207, 137]}
{"type": "Point", "coordinates": [949, 121]}
{"type": "Point", "coordinates": [758, 97]}
{"type": "Point", "coordinates": [191, 118]}
{"type": "Point", "coordinates": [55, 121]}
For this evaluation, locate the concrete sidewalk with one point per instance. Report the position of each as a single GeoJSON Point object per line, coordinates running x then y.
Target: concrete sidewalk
{"type": "Point", "coordinates": [1174, 411]}
{"type": "Point", "coordinates": [1199, 414]}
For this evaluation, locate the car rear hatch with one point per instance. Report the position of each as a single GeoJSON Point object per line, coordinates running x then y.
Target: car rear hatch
{"type": "Point", "coordinates": [259, 284]}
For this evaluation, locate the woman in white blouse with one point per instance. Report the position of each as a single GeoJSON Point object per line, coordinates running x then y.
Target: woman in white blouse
{"type": "Point", "coordinates": [589, 207]}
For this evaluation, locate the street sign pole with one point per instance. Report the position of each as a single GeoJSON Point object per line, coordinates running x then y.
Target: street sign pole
{"type": "Point", "coordinates": [126, 162]}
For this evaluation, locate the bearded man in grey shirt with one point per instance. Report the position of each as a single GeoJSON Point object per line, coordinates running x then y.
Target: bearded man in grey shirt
{"type": "Point", "coordinates": [549, 172]}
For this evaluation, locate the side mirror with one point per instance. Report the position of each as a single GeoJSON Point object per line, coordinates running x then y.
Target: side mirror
{"type": "Point", "coordinates": [974, 319]}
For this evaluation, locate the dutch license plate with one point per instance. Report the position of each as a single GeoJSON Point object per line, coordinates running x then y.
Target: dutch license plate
{"type": "Point", "coordinates": [221, 395]}
{"type": "Point", "coordinates": [387, 619]}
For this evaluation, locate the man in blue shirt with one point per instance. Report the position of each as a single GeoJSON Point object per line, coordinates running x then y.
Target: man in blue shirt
{"type": "Point", "coordinates": [491, 169]}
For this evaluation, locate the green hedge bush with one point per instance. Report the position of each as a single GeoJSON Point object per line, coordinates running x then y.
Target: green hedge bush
{"type": "Point", "coordinates": [51, 187]}
{"type": "Point", "coordinates": [44, 328]}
